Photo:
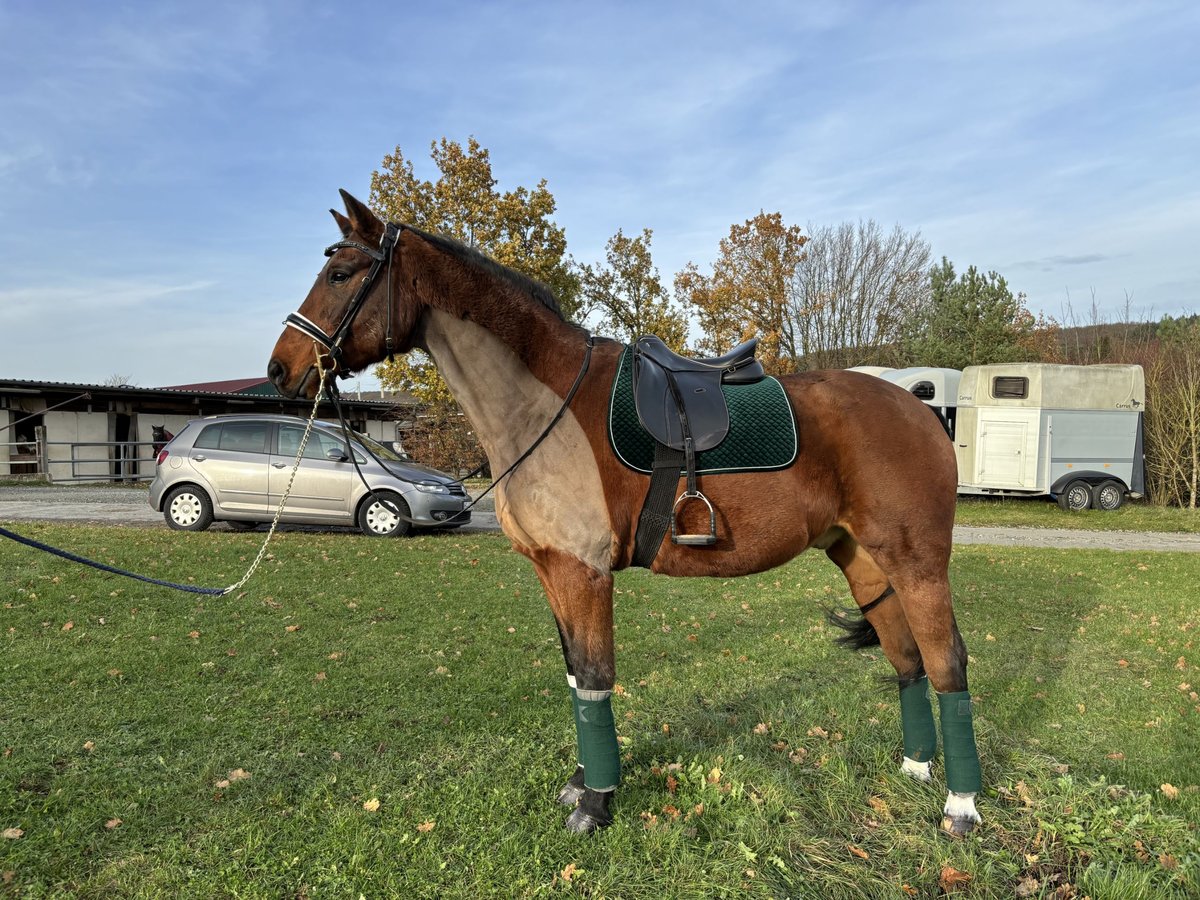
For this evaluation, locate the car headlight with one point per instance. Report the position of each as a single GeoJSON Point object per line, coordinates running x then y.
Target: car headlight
{"type": "Point", "coordinates": [431, 487]}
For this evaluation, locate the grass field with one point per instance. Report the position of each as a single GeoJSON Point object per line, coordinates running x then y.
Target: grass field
{"type": "Point", "coordinates": [390, 719]}
{"type": "Point", "coordinates": [1024, 513]}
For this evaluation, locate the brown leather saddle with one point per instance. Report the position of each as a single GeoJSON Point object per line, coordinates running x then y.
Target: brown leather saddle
{"type": "Point", "coordinates": [680, 404]}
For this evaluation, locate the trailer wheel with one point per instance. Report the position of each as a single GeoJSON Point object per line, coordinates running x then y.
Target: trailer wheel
{"type": "Point", "coordinates": [1108, 495]}
{"type": "Point", "coordinates": [1076, 496]}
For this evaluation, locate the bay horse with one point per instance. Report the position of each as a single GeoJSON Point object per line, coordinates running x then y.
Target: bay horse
{"type": "Point", "coordinates": [873, 484]}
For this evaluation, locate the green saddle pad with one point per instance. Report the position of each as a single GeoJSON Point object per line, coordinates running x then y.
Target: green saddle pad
{"type": "Point", "coordinates": [762, 428]}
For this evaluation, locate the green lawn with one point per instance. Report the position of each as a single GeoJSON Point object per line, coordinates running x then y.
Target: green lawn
{"type": "Point", "coordinates": [1026, 513]}
{"type": "Point", "coordinates": [390, 719]}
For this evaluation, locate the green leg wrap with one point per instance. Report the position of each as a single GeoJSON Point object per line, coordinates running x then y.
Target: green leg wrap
{"type": "Point", "coordinates": [958, 743]}
{"type": "Point", "coordinates": [598, 751]}
{"type": "Point", "coordinates": [575, 710]}
{"type": "Point", "coordinates": [916, 718]}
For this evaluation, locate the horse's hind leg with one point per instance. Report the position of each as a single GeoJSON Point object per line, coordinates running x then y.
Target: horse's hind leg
{"type": "Point", "coordinates": [884, 623]}
{"type": "Point", "coordinates": [581, 599]}
{"type": "Point", "coordinates": [927, 606]}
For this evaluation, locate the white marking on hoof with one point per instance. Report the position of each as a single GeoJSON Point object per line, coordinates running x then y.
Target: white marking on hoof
{"type": "Point", "coordinates": [922, 771]}
{"type": "Point", "coordinates": [959, 816]}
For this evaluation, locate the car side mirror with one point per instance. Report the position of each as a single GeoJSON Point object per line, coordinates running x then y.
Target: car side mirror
{"type": "Point", "coordinates": [335, 455]}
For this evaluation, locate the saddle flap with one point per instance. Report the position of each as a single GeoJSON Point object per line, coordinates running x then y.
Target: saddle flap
{"type": "Point", "coordinates": [658, 395]}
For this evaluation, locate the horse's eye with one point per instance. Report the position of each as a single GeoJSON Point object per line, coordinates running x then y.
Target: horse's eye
{"type": "Point", "coordinates": [338, 277]}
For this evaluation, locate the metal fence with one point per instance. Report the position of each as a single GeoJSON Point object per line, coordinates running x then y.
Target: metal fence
{"type": "Point", "coordinates": [84, 460]}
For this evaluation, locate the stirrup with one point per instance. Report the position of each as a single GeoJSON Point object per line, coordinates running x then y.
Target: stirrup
{"type": "Point", "coordinates": [694, 540]}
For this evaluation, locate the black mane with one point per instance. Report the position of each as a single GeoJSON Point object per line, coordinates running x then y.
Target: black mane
{"type": "Point", "coordinates": [472, 257]}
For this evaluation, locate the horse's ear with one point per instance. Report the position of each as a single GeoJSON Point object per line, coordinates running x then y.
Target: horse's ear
{"type": "Point", "coordinates": [362, 219]}
{"type": "Point", "coordinates": [343, 223]}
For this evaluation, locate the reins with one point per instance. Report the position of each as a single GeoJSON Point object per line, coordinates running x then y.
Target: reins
{"type": "Point", "coordinates": [335, 398]}
{"type": "Point", "coordinates": [191, 588]}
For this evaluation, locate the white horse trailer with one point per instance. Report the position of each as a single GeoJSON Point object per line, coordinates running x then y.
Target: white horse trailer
{"type": "Point", "coordinates": [1036, 429]}
{"type": "Point", "coordinates": [936, 388]}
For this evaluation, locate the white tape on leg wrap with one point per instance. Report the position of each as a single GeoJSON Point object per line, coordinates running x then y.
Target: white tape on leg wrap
{"type": "Point", "coordinates": [961, 806]}
{"type": "Point", "coordinates": [571, 680]}
{"type": "Point", "coordinates": [918, 770]}
{"type": "Point", "coordinates": [592, 696]}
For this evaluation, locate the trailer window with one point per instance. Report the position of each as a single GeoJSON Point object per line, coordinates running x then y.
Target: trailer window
{"type": "Point", "coordinates": [923, 390]}
{"type": "Point", "coordinates": [1010, 387]}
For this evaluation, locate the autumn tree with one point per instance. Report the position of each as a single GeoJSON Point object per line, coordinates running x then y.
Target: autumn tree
{"type": "Point", "coordinates": [513, 227]}
{"type": "Point", "coordinates": [970, 319]}
{"type": "Point", "coordinates": [746, 294]}
{"type": "Point", "coordinates": [628, 295]}
{"type": "Point", "coordinates": [1173, 414]}
{"type": "Point", "coordinates": [852, 292]}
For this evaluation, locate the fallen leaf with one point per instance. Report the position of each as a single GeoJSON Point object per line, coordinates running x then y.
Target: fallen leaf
{"type": "Point", "coordinates": [1027, 886]}
{"type": "Point", "coordinates": [1117, 756]}
{"type": "Point", "coordinates": [69, 625]}
{"type": "Point", "coordinates": [193, 634]}
{"type": "Point", "coordinates": [112, 823]}
{"type": "Point", "coordinates": [858, 851]}
{"type": "Point", "coordinates": [1167, 861]}
{"type": "Point", "coordinates": [1169, 791]}
{"type": "Point", "coordinates": [11, 834]}
{"type": "Point", "coordinates": [320, 676]}
{"type": "Point", "coordinates": [880, 806]}
{"type": "Point", "coordinates": [762, 728]}
{"type": "Point", "coordinates": [909, 889]}
{"type": "Point", "coordinates": [568, 872]}
{"type": "Point", "coordinates": [426, 827]}
{"type": "Point", "coordinates": [952, 879]}
{"type": "Point", "coordinates": [290, 628]}
{"type": "Point", "coordinates": [89, 746]}
{"type": "Point", "coordinates": [672, 784]}
{"type": "Point", "coordinates": [818, 731]}
{"type": "Point", "coordinates": [372, 805]}
{"type": "Point", "coordinates": [714, 776]}
{"type": "Point", "coordinates": [1180, 664]}
{"type": "Point", "coordinates": [1123, 663]}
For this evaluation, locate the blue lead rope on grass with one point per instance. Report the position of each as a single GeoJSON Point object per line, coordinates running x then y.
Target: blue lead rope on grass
{"type": "Point", "coordinates": [38, 545]}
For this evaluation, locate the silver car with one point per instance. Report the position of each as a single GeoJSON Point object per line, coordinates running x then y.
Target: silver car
{"type": "Point", "coordinates": [236, 468]}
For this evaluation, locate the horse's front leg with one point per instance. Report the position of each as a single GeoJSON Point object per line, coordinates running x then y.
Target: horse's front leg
{"type": "Point", "coordinates": [581, 598]}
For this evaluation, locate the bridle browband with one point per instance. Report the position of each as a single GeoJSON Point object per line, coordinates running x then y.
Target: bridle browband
{"type": "Point", "coordinates": [333, 342]}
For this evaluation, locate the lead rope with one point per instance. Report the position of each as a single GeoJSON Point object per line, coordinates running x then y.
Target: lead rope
{"type": "Point", "coordinates": [312, 417]}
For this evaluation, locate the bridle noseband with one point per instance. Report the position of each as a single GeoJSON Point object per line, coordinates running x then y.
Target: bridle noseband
{"type": "Point", "coordinates": [333, 342]}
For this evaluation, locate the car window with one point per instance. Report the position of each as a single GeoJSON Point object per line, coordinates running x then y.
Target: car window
{"type": "Point", "coordinates": [318, 446]}
{"type": "Point", "coordinates": [209, 439]}
{"type": "Point", "coordinates": [243, 437]}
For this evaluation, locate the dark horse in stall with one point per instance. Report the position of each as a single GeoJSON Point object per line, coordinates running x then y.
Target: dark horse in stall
{"type": "Point", "coordinates": [873, 484]}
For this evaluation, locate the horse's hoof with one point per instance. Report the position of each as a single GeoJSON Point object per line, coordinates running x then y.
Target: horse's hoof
{"type": "Point", "coordinates": [959, 816]}
{"type": "Point", "coordinates": [581, 822]}
{"type": "Point", "coordinates": [570, 794]}
{"type": "Point", "coordinates": [958, 826]}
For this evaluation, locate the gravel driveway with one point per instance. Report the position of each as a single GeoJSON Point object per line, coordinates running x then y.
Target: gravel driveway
{"type": "Point", "coordinates": [128, 506]}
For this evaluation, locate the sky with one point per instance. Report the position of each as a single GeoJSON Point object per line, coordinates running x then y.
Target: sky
{"type": "Point", "coordinates": [166, 168]}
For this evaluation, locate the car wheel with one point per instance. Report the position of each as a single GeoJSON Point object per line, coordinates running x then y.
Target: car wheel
{"type": "Point", "coordinates": [376, 520]}
{"type": "Point", "coordinates": [1108, 495]}
{"type": "Point", "coordinates": [1076, 496]}
{"type": "Point", "coordinates": [239, 525]}
{"type": "Point", "coordinates": [188, 508]}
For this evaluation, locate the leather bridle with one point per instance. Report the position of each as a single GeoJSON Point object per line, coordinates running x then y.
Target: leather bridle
{"type": "Point", "coordinates": [333, 342]}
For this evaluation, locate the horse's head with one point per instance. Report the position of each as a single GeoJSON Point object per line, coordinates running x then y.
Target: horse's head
{"type": "Point", "coordinates": [346, 317]}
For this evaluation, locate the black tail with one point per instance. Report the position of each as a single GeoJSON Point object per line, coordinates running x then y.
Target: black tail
{"type": "Point", "coordinates": [859, 633]}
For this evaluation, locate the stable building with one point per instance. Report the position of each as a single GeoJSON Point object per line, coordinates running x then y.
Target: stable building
{"type": "Point", "coordinates": [87, 432]}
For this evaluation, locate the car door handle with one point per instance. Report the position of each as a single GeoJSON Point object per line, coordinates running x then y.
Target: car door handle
{"type": "Point", "coordinates": [278, 465]}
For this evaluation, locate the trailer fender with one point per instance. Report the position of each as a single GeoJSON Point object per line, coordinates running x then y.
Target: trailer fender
{"type": "Point", "coordinates": [1091, 477]}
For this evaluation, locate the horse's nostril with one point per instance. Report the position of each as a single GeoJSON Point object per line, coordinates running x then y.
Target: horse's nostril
{"type": "Point", "coordinates": [275, 371]}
